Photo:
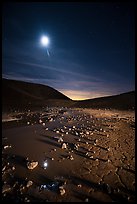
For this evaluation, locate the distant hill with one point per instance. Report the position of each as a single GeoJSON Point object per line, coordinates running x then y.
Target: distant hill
{"type": "Point", "coordinates": [19, 94]}
{"type": "Point", "coordinates": [122, 101]}
{"type": "Point", "coordinates": [25, 95]}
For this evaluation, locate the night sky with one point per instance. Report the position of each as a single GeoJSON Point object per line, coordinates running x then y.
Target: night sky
{"type": "Point", "coordinates": [92, 46]}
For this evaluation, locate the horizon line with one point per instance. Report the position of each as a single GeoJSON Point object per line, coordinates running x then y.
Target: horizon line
{"type": "Point", "coordinates": [63, 93]}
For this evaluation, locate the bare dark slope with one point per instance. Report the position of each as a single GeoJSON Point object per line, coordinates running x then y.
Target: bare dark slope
{"type": "Point", "coordinates": [122, 101]}
{"type": "Point", "coordinates": [24, 95]}
{"type": "Point", "coordinates": [21, 94]}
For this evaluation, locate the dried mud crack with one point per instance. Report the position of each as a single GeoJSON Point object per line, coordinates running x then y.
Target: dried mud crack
{"type": "Point", "coordinates": [69, 155]}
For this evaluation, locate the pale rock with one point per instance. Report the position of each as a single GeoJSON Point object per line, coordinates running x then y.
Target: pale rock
{"type": "Point", "coordinates": [64, 146]}
{"type": "Point", "coordinates": [32, 165]}
{"type": "Point", "coordinates": [29, 183]}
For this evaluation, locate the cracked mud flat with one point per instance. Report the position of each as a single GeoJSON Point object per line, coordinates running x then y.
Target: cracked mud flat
{"type": "Point", "coordinates": [98, 164]}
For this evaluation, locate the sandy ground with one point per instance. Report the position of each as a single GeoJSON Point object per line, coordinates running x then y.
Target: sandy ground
{"type": "Point", "coordinates": [98, 164]}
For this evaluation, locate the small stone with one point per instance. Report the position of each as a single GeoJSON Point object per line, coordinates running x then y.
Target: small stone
{"type": "Point", "coordinates": [51, 120]}
{"type": "Point", "coordinates": [7, 146]}
{"type": "Point", "coordinates": [40, 121]}
{"type": "Point", "coordinates": [79, 185]}
{"type": "Point", "coordinates": [71, 157]}
{"type": "Point", "coordinates": [62, 190]}
{"type": "Point", "coordinates": [128, 198]}
{"type": "Point", "coordinates": [13, 168]}
{"type": "Point", "coordinates": [87, 132]}
{"type": "Point", "coordinates": [32, 165]}
{"type": "Point", "coordinates": [64, 146]}
{"type": "Point", "coordinates": [52, 159]}
{"type": "Point", "coordinates": [65, 182]}
{"type": "Point", "coordinates": [116, 169]}
{"type": "Point", "coordinates": [109, 160]}
{"type": "Point", "coordinates": [60, 139]}
{"type": "Point", "coordinates": [118, 190]}
{"type": "Point", "coordinates": [29, 183]}
{"type": "Point", "coordinates": [76, 147]}
{"type": "Point", "coordinates": [4, 168]}
{"type": "Point", "coordinates": [6, 188]}
{"type": "Point", "coordinates": [86, 200]}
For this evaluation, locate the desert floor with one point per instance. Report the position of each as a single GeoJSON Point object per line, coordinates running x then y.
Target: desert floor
{"type": "Point", "coordinates": [98, 163]}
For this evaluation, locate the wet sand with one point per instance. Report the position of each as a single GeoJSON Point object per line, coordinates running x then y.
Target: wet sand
{"type": "Point", "coordinates": [98, 164]}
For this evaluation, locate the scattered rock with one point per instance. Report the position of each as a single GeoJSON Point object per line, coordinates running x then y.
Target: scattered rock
{"type": "Point", "coordinates": [29, 183]}
{"type": "Point", "coordinates": [6, 188]}
{"type": "Point", "coordinates": [51, 120]}
{"type": "Point", "coordinates": [62, 190]}
{"type": "Point", "coordinates": [86, 200]}
{"type": "Point", "coordinates": [64, 146]}
{"type": "Point", "coordinates": [7, 146]}
{"type": "Point", "coordinates": [13, 168]}
{"type": "Point", "coordinates": [60, 140]}
{"type": "Point", "coordinates": [71, 157]}
{"type": "Point", "coordinates": [32, 165]}
{"type": "Point", "coordinates": [4, 168]}
{"type": "Point", "coordinates": [109, 160]}
{"type": "Point", "coordinates": [87, 132]}
{"type": "Point", "coordinates": [40, 121]}
{"type": "Point", "coordinates": [75, 147]}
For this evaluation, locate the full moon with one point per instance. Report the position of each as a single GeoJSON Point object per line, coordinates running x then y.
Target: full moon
{"type": "Point", "coordinates": [44, 40]}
